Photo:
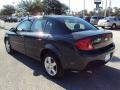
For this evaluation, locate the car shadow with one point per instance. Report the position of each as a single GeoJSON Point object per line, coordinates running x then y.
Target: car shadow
{"type": "Point", "coordinates": [117, 29]}
{"type": "Point", "coordinates": [115, 59]}
{"type": "Point", "coordinates": [104, 78]}
{"type": "Point", "coordinates": [35, 65]}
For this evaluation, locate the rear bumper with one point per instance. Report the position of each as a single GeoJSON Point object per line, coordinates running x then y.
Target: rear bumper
{"type": "Point", "coordinates": [83, 60]}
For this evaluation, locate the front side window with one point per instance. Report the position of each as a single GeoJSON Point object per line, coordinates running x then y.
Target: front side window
{"type": "Point", "coordinates": [24, 26]}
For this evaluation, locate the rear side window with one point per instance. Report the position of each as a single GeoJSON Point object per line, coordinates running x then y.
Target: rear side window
{"type": "Point", "coordinates": [48, 27]}
{"type": "Point", "coordinates": [38, 25]}
{"type": "Point", "coordinates": [55, 27]}
{"type": "Point", "coordinates": [59, 29]}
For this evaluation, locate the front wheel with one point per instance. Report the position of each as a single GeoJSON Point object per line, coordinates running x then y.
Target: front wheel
{"type": "Point", "coordinates": [52, 66]}
{"type": "Point", "coordinates": [8, 47]}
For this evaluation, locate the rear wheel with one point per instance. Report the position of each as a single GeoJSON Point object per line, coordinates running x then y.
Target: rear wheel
{"type": "Point", "coordinates": [103, 27]}
{"type": "Point", "coordinates": [114, 26]}
{"type": "Point", "coordinates": [8, 47]}
{"type": "Point", "coordinates": [52, 66]}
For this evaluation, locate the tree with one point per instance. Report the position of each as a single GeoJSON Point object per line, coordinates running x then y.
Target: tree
{"type": "Point", "coordinates": [91, 13]}
{"type": "Point", "coordinates": [37, 6]}
{"type": "Point", "coordinates": [8, 10]}
{"type": "Point", "coordinates": [30, 6]}
{"type": "Point", "coordinates": [116, 11]}
{"type": "Point", "coordinates": [54, 7]}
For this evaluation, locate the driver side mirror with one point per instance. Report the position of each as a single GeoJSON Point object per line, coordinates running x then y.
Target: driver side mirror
{"type": "Point", "coordinates": [13, 30]}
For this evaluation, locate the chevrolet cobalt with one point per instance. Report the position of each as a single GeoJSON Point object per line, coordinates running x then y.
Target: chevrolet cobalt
{"type": "Point", "coordinates": [61, 43]}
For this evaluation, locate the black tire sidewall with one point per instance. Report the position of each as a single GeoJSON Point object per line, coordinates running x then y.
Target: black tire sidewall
{"type": "Point", "coordinates": [114, 27]}
{"type": "Point", "coordinates": [11, 50]}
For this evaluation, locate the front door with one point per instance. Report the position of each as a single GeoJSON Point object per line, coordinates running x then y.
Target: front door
{"type": "Point", "coordinates": [17, 38]}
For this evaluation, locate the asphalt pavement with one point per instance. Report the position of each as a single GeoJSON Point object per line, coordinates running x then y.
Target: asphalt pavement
{"type": "Point", "coordinates": [19, 72]}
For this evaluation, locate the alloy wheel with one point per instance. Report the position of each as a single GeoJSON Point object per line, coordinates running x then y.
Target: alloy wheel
{"type": "Point", "coordinates": [50, 66]}
{"type": "Point", "coordinates": [7, 44]}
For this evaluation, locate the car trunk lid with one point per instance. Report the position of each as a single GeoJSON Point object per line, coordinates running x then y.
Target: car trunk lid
{"type": "Point", "coordinates": [92, 39]}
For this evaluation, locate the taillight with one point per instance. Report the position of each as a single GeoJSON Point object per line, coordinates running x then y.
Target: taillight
{"type": "Point", "coordinates": [85, 44]}
{"type": "Point", "coordinates": [108, 36]}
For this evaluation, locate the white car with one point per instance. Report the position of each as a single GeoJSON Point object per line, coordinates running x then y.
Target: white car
{"type": "Point", "coordinates": [112, 22]}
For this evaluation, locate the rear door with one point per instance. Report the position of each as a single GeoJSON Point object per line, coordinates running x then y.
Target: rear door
{"type": "Point", "coordinates": [34, 39]}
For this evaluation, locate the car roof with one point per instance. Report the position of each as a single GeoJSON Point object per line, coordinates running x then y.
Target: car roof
{"type": "Point", "coordinates": [57, 16]}
{"type": "Point", "coordinates": [47, 16]}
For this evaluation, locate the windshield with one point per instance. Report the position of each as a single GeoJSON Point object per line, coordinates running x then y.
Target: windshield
{"type": "Point", "coordinates": [75, 24]}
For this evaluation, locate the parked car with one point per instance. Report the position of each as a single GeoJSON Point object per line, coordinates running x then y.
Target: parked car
{"type": "Point", "coordinates": [87, 18]}
{"type": "Point", "coordinates": [11, 19]}
{"type": "Point", "coordinates": [61, 43]}
{"type": "Point", "coordinates": [7, 19]}
{"type": "Point", "coordinates": [22, 18]}
{"type": "Point", "coordinates": [94, 19]}
{"type": "Point", "coordinates": [81, 17]}
{"type": "Point", "coordinates": [112, 22]}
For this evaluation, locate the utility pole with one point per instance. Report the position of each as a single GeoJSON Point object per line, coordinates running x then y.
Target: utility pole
{"type": "Point", "coordinates": [105, 14]}
{"type": "Point", "coordinates": [110, 8]}
{"type": "Point", "coordinates": [84, 9]}
{"type": "Point", "coordinates": [69, 7]}
{"type": "Point", "coordinates": [102, 4]}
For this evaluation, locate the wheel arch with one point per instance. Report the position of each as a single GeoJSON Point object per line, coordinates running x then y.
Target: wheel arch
{"type": "Point", "coordinates": [114, 24]}
{"type": "Point", "coordinates": [49, 48]}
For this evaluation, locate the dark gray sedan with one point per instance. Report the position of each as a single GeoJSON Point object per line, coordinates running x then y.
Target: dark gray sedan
{"type": "Point", "coordinates": [61, 43]}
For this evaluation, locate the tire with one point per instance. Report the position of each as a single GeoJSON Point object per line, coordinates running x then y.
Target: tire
{"type": "Point", "coordinates": [113, 26]}
{"type": "Point", "coordinates": [52, 66]}
{"type": "Point", "coordinates": [103, 27]}
{"type": "Point", "coordinates": [8, 47]}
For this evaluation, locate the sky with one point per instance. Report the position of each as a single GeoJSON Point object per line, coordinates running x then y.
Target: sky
{"type": "Point", "coordinates": [76, 5]}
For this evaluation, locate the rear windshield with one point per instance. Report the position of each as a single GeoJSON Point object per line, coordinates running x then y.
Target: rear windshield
{"type": "Point", "coordinates": [75, 24]}
{"type": "Point", "coordinates": [94, 17]}
{"type": "Point", "coordinates": [109, 18]}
